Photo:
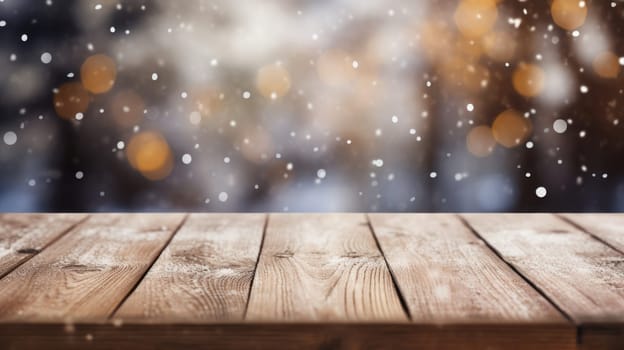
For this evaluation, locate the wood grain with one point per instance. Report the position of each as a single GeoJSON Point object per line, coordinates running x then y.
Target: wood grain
{"type": "Point", "coordinates": [584, 277]}
{"type": "Point", "coordinates": [448, 275]}
{"type": "Point", "coordinates": [322, 267]}
{"type": "Point", "coordinates": [607, 227]}
{"type": "Point", "coordinates": [204, 274]}
{"type": "Point", "coordinates": [85, 274]}
{"type": "Point", "coordinates": [24, 235]}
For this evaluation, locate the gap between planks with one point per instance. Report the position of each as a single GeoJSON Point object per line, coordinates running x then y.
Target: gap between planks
{"type": "Point", "coordinates": [253, 277]}
{"type": "Point", "coordinates": [123, 300]}
{"type": "Point", "coordinates": [45, 245]}
{"type": "Point", "coordinates": [578, 225]}
{"type": "Point", "coordinates": [516, 271]}
{"type": "Point", "coordinates": [534, 285]}
{"type": "Point", "coordinates": [85, 274]}
{"type": "Point", "coordinates": [395, 283]}
{"type": "Point", "coordinates": [577, 272]}
{"type": "Point", "coordinates": [322, 268]}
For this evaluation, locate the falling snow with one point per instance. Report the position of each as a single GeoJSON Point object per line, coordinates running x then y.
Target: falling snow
{"type": "Point", "coordinates": [392, 106]}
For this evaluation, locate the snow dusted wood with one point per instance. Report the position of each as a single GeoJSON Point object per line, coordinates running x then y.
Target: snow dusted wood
{"type": "Point", "coordinates": [607, 227]}
{"type": "Point", "coordinates": [321, 282]}
{"type": "Point", "coordinates": [204, 274]}
{"type": "Point", "coordinates": [322, 267]}
{"type": "Point", "coordinates": [584, 277]}
{"type": "Point", "coordinates": [24, 235]}
{"type": "Point", "coordinates": [447, 275]}
{"type": "Point", "coordinates": [581, 275]}
{"type": "Point", "coordinates": [88, 272]}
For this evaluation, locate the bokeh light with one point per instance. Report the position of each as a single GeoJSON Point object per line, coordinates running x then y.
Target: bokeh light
{"type": "Point", "coordinates": [357, 106]}
{"type": "Point", "coordinates": [606, 65]}
{"type": "Point", "coordinates": [528, 79]}
{"type": "Point", "coordinates": [148, 152]}
{"type": "Point", "coordinates": [98, 73]}
{"type": "Point", "coordinates": [480, 141]}
{"type": "Point", "coordinates": [511, 129]}
{"type": "Point", "coordinates": [474, 18]}
{"type": "Point", "coordinates": [273, 81]}
{"type": "Point", "coordinates": [127, 108]}
{"type": "Point", "coordinates": [500, 46]}
{"type": "Point", "coordinates": [71, 99]}
{"type": "Point", "coordinates": [569, 14]}
{"type": "Point", "coordinates": [207, 101]}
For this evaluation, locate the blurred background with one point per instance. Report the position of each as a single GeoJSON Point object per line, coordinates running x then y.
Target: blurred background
{"type": "Point", "coordinates": [302, 105]}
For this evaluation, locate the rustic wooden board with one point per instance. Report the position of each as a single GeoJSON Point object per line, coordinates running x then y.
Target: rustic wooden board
{"type": "Point", "coordinates": [204, 274]}
{"type": "Point", "coordinates": [607, 227]}
{"type": "Point", "coordinates": [321, 282]}
{"type": "Point", "coordinates": [24, 235]}
{"type": "Point", "coordinates": [87, 272]}
{"type": "Point", "coordinates": [446, 274]}
{"type": "Point", "coordinates": [581, 275]}
{"type": "Point", "coordinates": [322, 267]}
{"type": "Point", "coordinates": [272, 336]}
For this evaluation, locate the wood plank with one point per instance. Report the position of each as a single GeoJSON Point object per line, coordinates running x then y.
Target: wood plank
{"type": "Point", "coordinates": [607, 227]}
{"type": "Point", "coordinates": [87, 273]}
{"type": "Point", "coordinates": [24, 235]}
{"type": "Point", "coordinates": [582, 276]}
{"type": "Point", "coordinates": [446, 274]}
{"type": "Point", "coordinates": [204, 274]}
{"type": "Point", "coordinates": [322, 267]}
{"type": "Point", "coordinates": [348, 336]}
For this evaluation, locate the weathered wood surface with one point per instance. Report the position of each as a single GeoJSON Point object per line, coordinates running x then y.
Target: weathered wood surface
{"type": "Point", "coordinates": [606, 227]}
{"type": "Point", "coordinates": [309, 281]}
{"type": "Point", "coordinates": [584, 277]}
{"type": "Point", "coordinates": [322, 267]}
{"type": "Point", "coordinates": [24, 235]}
{"type": "Point", "coordinates": [578, 273]}
{"type": "Point", "coordinates": [204, 274]}
{"type": "Point", "coordinates": [87, 272]}
{"type": "Point", "coordinates": [448, 275]}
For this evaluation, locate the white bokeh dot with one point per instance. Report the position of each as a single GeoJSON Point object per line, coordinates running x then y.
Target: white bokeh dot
{"type": "Point", "coordinates": [10, 138]}
{"type": "Point", "coordinates": [560, 126]}
{"type": "Point", "coordinates": [187, 159]}
{"type": "Point", "coordinates": [46, 58]}
{"type": "Point", "coordinates": [223, 197]}
{"type": "Point", "coordinates": [541, 192]}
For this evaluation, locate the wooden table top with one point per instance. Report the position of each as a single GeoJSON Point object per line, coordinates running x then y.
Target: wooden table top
{"type": "Point", "coordinates": [329, 281]}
